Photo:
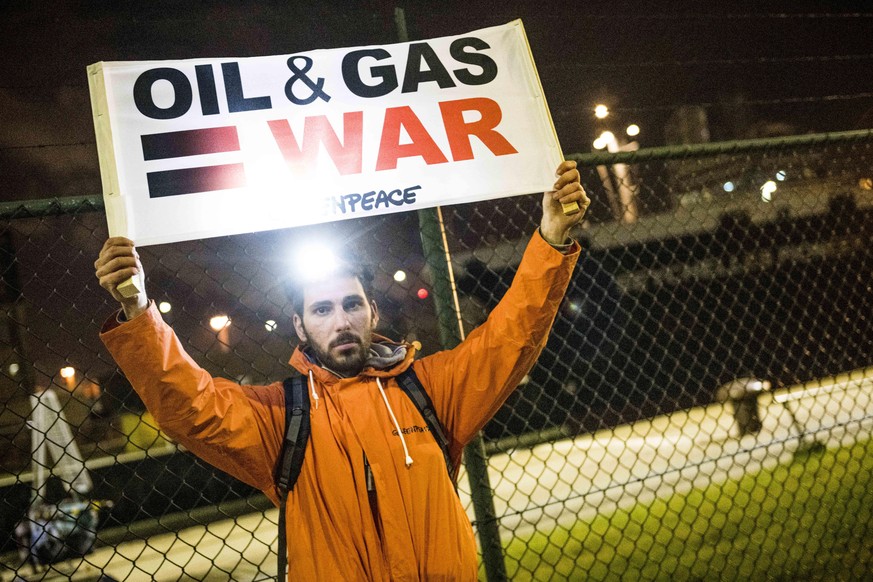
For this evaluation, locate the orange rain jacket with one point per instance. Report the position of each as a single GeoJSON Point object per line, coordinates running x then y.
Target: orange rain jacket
{"type": "Point", "coordinates": [417, 529]}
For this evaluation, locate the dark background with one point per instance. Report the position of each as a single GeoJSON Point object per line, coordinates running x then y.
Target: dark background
{"type": "Point", "coordinates": [756, 68]}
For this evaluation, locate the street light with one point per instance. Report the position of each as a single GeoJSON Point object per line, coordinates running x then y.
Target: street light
{"type": "Point", "coordinates": [601, 111]}
{"type": "Point", "coordinates": [767, 190]}
{"type": "Point", "coordinates": [605, 140]}
{"type": "Point", "coordinates": [633, 130]}
{"type": "Point", "coordinates": [68, 373]}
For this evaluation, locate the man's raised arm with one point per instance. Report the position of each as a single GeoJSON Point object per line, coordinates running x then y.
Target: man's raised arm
{"type": "Point", "coordinates": [234, 428]}
{"type": "Point", "coordinates": [470, 382]}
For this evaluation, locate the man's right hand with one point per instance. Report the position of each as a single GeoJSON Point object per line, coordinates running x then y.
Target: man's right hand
{"type": "Point", "coordinates": [118, 261]}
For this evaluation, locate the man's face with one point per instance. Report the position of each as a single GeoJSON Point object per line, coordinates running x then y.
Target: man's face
{"type": "Point", "coordinates": [337, 322]}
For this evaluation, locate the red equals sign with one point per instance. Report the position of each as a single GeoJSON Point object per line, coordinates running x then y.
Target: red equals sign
{"type": "Point", "coordinates": [192, 142]}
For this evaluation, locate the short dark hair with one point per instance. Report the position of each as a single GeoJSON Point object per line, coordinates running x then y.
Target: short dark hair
{"type": "Point", "coordinates": [349, 265]}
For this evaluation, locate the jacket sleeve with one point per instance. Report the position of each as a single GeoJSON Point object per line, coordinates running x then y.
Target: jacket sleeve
{"type": "Point", "coordinates": [469, 383]}
{"type": "Point", "coordinates": [237, 429]}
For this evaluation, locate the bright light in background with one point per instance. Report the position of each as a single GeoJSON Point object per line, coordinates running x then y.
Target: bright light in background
{"type": "Point", "coordinates": [14, 368]}
{"type": "Point", "coordinates": [400, 276]}
{"type": "Point", "coordinates": [422, 293]}
{"type": "Point", "coordinates": [633, 130]}
{"type": "Point", "coordinates": [728, 186]}
{"type": "Point", "coordinates": [758, 385]}
{"type": "Point", "coordinates": [68, 372]}
{"type": "Point", "coordinates": [601, 111]}
{"type": "Point", "coordinates": [270, 325]}
{"type": "Point", "coordinates": [219, 322]}
{"type": "Point", "coordinates": [164, 307]}
{"type": "Point", "coordinates": [780, 175]}
{"type": "Point", "coordinates": [603, 140]}
{"type": "Point", "coordinates": [767, 190]}
{"type": "Point", "coordinates": [313, 262]}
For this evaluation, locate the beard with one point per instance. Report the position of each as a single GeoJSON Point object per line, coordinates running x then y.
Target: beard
{"type": "Point", "coordinates": [348, 361]}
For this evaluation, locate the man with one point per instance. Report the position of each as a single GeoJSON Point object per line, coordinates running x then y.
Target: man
{"type": "Point", "coordinates": [364, 430]}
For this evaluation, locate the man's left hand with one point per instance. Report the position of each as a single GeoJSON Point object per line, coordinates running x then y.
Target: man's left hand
{"type": "Point", "coordinates": [555, 226]}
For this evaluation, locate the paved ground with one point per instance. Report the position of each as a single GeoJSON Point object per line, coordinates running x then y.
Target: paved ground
{"type": "Point", "coordinates": [548, 484]}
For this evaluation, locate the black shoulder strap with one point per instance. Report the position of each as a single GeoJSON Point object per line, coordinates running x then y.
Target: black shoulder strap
{"type": "Point", "coordinates": [291, 456]}
{"type": "Point", "coordinates": [296, 433]}
{"type": "Point", "coordinates": [410, 384]}
{"type": "Point", "coordinates": [297, 425]}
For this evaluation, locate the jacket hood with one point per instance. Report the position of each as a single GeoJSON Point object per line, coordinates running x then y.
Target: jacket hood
{"type": "Point", "coordinates": [387, 359]}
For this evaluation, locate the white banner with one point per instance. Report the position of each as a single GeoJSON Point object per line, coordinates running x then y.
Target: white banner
{"type": "Point", "coordinates": [207, 147]}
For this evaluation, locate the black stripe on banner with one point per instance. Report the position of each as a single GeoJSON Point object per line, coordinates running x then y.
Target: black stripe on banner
{"type": "Point", "coordinates": [191, 142]}
{"type": "Point", "coordinates": [193, 180]}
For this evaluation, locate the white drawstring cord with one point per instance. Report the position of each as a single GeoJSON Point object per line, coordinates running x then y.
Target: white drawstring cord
{"type": "Point", "coordinates": [312, 387]}
{"type": "Point", "coordinates": [396, 424]}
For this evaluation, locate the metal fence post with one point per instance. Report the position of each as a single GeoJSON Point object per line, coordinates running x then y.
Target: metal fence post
{"type": "Point", "coordinates": [436, 254]}
{"type": "Point", "coordinates": [438, 260]}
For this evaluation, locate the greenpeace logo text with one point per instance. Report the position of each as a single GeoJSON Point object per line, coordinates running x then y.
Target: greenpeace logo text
{"type": "Point", "coordinates": [372, 200]}
{"type": "Point", "coordinates": [411, 429]}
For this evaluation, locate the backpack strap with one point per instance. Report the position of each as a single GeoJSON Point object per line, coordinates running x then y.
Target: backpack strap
{"type": "Point", "coordinates": [291, 458]}
{"type": "Point", "coordinates": [296, 433]}
{"type": "Point", "coordinates": [409, 383]}
{"type": "Point", "coordinates": [297, 426]}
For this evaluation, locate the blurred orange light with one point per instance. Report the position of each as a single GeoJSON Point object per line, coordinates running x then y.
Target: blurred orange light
{"type": "Point", "coordinates": [219, 322]}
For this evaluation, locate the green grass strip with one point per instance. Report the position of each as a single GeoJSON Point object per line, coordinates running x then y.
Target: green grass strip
{"type": "Point", "coordinates": [811, 519]}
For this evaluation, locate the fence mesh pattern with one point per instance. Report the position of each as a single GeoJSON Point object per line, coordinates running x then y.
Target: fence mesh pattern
{"type": "Point", "coordinates": [702, 409]}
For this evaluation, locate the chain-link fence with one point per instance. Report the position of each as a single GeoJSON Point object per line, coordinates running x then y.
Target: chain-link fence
{"type": "Point", "coordinates": [702, 409]}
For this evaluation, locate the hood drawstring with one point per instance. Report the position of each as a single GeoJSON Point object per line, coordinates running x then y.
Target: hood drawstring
{"type": "Point", "coordinates": [312, 387]}
{"type": "Point", "coordinates": [408, 459]}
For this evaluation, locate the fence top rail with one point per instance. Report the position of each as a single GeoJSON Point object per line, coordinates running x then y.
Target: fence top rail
{"type": "Point", "coordinates": [94, 203]}
{"type": "Point", "coordinates": [50, 207]}
{"type": "Point", "coordinates": [724, 147]}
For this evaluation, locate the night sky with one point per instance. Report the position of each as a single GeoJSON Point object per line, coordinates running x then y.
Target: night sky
{"type": "Point", "coordinates": [758, 69]}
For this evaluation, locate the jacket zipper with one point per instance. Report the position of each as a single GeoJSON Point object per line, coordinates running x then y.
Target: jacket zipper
{"type": "Point", "coordinates": [372, 497]}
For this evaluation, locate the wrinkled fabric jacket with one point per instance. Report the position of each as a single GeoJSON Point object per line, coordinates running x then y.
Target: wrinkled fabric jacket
{"type": "Point", "coordinates": [415, 528]}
